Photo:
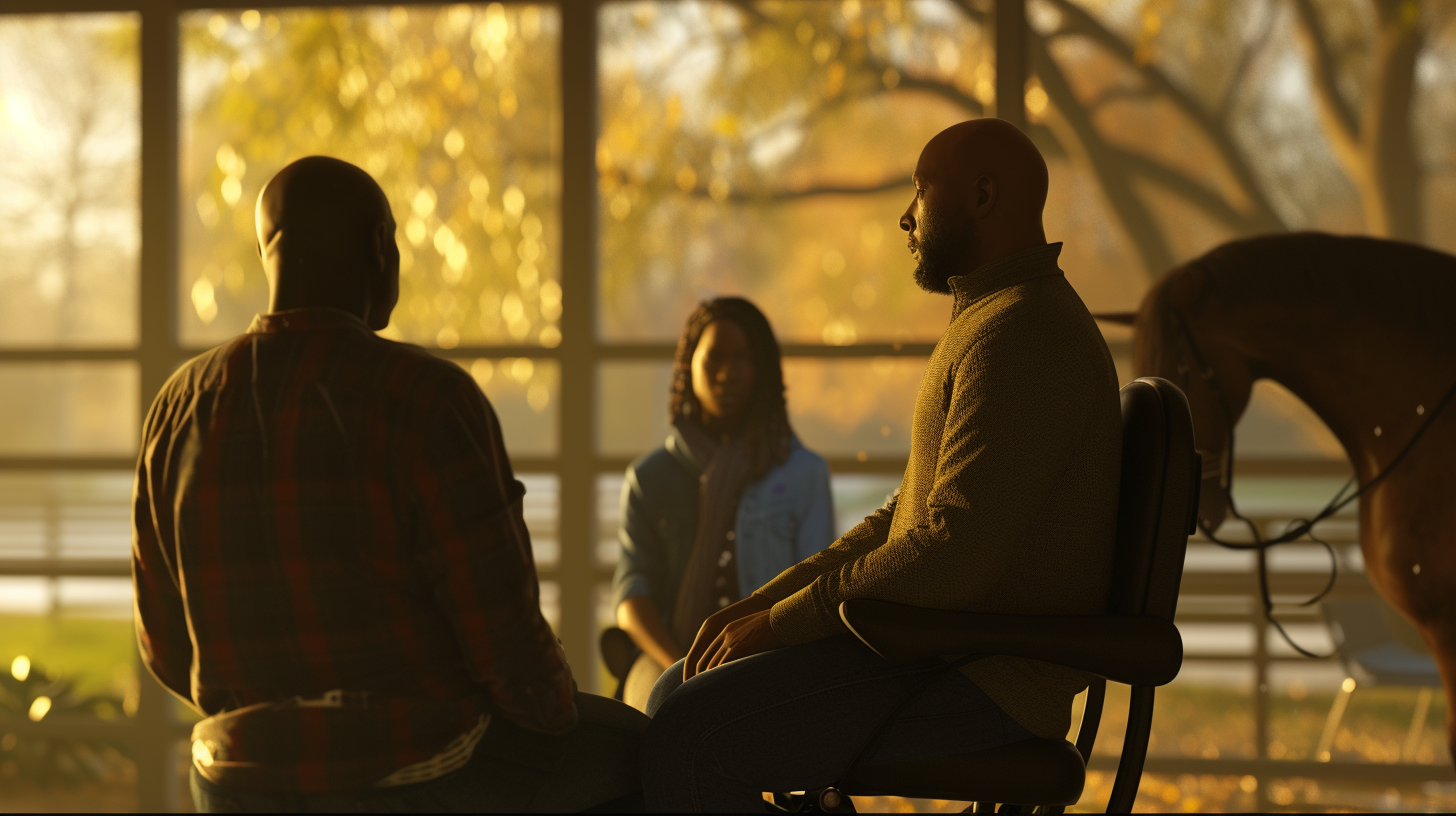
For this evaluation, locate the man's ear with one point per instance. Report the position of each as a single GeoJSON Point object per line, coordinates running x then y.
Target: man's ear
{"type": "Point", "coordinates": [375, 280]}
{"type": "Point", "coordinates": [985, 196]}
{"type": "Point", "coordinates": [383, 245]}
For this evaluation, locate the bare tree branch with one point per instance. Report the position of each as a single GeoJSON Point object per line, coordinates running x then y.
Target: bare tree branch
{"type": "Point", "coordinates": [1116, 92]}
{"type": "Point", "coordinates": [1072, 132]}
{"type": "Point", "coordinates": [739, 196]}
{"type": "Point", "coordinates": [944, 90]}
{"type": "Point", "coordinates": [823, 190]}
{"type": "Point", "coordinates": [1076, 20]}
{"type": "Point", "coordinates": [1246, 59]}
{"type": "Point", "coordinates": [1074, 129]}
{"type": "Point", "coordinates": [1340, 121]}
{"type": "Point", "coordinates": [908, 82]}
{"type": "Point", "coordinates": [1199, 195]}
{"type": "Point", "coordinates": [1045, 140]}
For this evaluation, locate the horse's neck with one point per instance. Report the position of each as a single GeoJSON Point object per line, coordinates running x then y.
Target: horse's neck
{"type": "Point", "coordinates": [1356, 378]}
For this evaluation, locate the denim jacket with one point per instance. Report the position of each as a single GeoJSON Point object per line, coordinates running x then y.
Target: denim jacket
{"type": "Point", "coordinates": [782, 519]}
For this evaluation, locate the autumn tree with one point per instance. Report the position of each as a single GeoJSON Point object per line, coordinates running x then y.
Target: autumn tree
{"type": "Point", "coordinates": [1170, 106]}
{"type": "Point", "coordinates": [69, 127]}
{"type": "Point", "coordinates": [454, 110]}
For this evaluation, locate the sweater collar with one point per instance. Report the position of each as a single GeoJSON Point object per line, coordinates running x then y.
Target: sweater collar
{"type": "Point", "coordinates": [303, 320]}
{"type": "Point", "coordinates": [1003, 272]}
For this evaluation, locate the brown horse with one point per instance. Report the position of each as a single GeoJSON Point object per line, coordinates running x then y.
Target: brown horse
{"type": "Point", "coordinates": [1364, 331]}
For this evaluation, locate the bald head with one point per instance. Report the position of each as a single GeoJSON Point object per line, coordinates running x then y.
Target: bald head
{"type": "Point", "coordinates": [980, 187]}
{"type": "Point", "coordinates": [326, 238]}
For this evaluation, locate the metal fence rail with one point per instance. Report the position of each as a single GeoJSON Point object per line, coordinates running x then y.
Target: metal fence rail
{"type": "Point", "coordinates": [1210, 595]}
{"type": "Point", "coordinates": [1230, 596]}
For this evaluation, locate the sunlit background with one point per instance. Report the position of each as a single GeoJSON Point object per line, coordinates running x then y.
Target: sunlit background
{"type": "Point", "coordinates": [754, 147]}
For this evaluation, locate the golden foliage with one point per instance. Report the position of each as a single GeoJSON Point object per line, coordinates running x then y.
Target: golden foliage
{"type": "Point", "coordinates": [454, 110]}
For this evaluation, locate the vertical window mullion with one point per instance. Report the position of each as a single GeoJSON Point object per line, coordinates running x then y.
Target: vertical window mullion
{"type": "Point", "coordinates": [157, 352]}
{"type": "Point", "coordinates": [579, 347]}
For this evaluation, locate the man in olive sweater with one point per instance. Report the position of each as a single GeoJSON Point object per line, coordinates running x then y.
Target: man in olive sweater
{"type": "Point", "coordinates": [1008, 505]}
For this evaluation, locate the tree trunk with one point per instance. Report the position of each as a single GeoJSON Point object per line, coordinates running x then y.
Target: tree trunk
{"type": "Point", "coordinates": [1377, 149]}
{"type": "Point", "coordinates": [1391, 188]}
{"type": "Point", "coordinates": [1070, 122]}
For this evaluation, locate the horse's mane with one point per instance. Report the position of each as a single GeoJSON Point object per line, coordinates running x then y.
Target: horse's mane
{"type": "Point", "coordinates": [1407, 287]}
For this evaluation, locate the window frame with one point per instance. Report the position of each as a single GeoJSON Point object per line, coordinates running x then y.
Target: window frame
{"type": "Point", "coordinates": [577, 464]}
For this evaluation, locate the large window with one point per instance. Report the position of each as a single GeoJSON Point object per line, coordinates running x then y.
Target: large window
{"type": "Point", "coordinates": [571, 178]}
{"type": "Point", "coordinates": [70, 402]}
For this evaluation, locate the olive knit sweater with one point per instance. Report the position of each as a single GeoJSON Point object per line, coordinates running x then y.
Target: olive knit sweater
{"type": "Point", "coordinates": [1009, 500]}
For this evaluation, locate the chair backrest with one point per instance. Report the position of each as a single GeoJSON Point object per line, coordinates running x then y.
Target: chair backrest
{"type": "Point", "coordinates": [1156, 510]}
{"type": "Point", "coordinates": [1158, 499]}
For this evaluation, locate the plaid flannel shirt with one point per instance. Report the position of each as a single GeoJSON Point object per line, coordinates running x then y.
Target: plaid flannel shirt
{"type": "Point", "coordinates": [330, 559]}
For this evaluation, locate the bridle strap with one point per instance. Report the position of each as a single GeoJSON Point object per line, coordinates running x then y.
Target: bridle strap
{"type": "Point", "coordinates": [1225, 462]}
{"type": "Point", "coordinates": [1300, 528]}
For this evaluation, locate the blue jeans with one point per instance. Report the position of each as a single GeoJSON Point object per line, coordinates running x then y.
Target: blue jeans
{"type": "Point", "coordinates": [795, 718]}
{"type": "Point", "coordinates": [512, 769]}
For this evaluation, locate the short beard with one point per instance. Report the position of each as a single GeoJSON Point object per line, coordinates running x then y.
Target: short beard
{"type": "Point", "coordinates": [942, 250]}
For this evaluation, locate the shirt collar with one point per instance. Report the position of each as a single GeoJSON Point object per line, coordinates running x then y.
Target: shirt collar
{"type": "Point", "coordinates": [305, 319]}
{"type": "Point", "coordinates": [1003, 272]}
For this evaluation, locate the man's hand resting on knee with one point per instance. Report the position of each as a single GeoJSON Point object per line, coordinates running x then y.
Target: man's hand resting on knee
{"type": "Point", "coordinates": [735, 631]}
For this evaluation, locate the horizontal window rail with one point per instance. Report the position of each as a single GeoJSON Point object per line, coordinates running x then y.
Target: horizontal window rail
{"type": "Point", "coordinates": [1384, 773]}
{"type": "Point", "coordinates": [1222, 596]}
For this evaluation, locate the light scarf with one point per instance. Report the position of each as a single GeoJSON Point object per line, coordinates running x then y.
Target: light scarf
{"type": "Point", "coordinates": [726, 470]}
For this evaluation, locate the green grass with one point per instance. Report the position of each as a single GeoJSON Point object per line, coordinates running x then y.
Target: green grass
{"type": "Point", "coordinates": [100, 655]}
{"type": "Point", "coordinates": [1373, 729]}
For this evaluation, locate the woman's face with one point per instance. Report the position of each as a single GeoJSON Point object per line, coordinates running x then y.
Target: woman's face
{"type": "Point", "coordinates": [723, 373]}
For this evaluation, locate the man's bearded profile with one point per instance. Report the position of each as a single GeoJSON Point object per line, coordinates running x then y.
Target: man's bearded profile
{"type": "Point", "coordinates": [939, 251]}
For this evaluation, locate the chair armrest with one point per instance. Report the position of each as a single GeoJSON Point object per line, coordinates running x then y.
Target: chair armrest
{"type": "Point", "coordinates": [1139, 651]}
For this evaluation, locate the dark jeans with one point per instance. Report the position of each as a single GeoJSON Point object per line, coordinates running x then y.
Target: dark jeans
{"type": "Point", "coordinates": [794, 719]}
{"type": "Point", "coordinates": [512, 769]}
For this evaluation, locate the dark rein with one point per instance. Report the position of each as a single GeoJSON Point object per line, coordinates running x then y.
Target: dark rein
{"type": "Point", "coordinates": [1299, 528]}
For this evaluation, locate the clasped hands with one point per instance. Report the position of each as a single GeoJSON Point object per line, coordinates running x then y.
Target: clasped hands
{"type": "Point", "coordinates": [735, 631]}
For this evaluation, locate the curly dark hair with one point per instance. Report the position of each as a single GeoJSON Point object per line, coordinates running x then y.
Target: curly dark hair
{"type": "Point", "coordinates": [766, 426]}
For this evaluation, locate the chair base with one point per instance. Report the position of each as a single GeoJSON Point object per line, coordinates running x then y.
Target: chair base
{"type": "Point", "coordinates": [1031, 772]}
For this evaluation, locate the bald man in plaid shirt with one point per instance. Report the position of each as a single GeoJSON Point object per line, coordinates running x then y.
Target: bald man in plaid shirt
{"type": "Point", "coordinates": [330, 560]}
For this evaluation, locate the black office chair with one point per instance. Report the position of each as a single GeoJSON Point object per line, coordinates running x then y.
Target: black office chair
{"type": "Point", "coordinates": [1134, 643]}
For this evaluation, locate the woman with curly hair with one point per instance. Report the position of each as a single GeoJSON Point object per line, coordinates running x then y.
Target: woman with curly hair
{"type": "Point", "coordinates": [729, 501]}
